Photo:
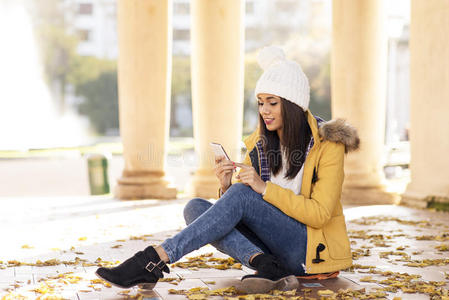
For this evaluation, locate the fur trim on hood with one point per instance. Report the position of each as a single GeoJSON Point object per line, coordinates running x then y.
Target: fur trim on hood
{"type": "Point", "coordinates": [340, 131]}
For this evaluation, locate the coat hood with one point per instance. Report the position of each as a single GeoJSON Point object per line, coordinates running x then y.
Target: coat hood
{"type": "Point", "coordinates": [340, 131]}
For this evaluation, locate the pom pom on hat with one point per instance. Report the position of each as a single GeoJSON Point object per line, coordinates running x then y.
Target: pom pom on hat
{"type": "Point", "coordinates": [269, 56]}
{"type": "Point", "coordinates": [282, 77]}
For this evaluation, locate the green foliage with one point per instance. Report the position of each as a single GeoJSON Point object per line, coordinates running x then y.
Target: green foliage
{"type": "Point", "coordinates": [181, 86]}
{"type": "Point", "coordinates": [101, 101]}
{"type": "Point", "coordinates": [438, 203]}
{"type": "Point", "coordinates": [48, 12]}
{"type": "Point", "coordinates": [181, 79]}
{"type": "Point", "coordinates": [89, 68]}
{"type": "Point", "coordinates": [180, 91]}
{"type": "Point", "coordinates": [319, 107]}
{"type": "Point", "coordinates": [95, 80]}
{"type": "Point", "coordinates": [252, 74]}
{"type": "Point", "coordinates": [58, 51]}
{"type": "Point", "coordinates": [312, 52]}
{"type": "Point", "coordinates": [320, 91]}
{"type": "Point", "coordinates": [57, 45]}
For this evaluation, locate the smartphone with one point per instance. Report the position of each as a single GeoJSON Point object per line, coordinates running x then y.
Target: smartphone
{"type": "Point", "coordinates": [219, 150]}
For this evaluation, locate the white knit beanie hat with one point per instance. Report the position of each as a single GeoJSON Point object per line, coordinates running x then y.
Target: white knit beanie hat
{"type": "Point", "coordinates": [282, 77]}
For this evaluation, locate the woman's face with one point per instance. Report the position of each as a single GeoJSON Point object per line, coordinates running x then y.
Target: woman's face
{"type": "Point", "coordinates": [270, 110]}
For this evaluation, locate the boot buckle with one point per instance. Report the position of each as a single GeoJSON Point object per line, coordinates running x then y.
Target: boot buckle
{"type": "Point", "coordinates": [151, 266]}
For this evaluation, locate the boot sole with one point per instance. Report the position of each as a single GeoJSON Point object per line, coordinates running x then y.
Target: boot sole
{"type": "Point", "coordinates": [322, 276]}
{"type": "Point", "coordinates": [146, 286]}
{"type": "Point", "coordinates": [143, 286]}
{"type": "Point", "coordinates": [262, 285]}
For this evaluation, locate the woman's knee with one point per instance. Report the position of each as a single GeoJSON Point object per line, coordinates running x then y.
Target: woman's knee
{"type": "Point", "coordinates": [240, 195]}
{"type": "Point", "coordinates": [195, 208]}
{"type": "Point", "coordinates": [239, 188]}
{"type": "Point", "coordinates": [245, 191]}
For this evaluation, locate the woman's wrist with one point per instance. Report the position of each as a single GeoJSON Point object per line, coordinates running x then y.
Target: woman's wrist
{"type": "Point", "coordinates": [265, 190]}
{"type": "Point", "coordinates": [224, 189]}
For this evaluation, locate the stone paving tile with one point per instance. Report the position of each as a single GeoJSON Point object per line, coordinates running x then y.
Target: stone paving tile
{"type": "Point", "coordinates": [52, 269]}
{"type": "Point", "coordinates": [19, 278]}
{"type": "Point", "coordinates": [164, 294]}
{"type": "Point", "coordinates": [23, 270]}
{"type": "Point", "coordinates": [99, 295]}
{"type": "Point", "coordinates": [6, 272]}
{"type": "Point", "coordinates": [185, 284]}
{"type": "Point", "coordinates": [213, 273]}
{"type": "Point", "coordinates": [341, 282]}
{"type": "Point", "coordinates": [65, 224]}
{"type": "Point", "coordinates": [28, 294]}
{"type": "Point", "coordinates": [214, 283]}
{"type": "Point", "coordinates": [147, 295]}
{"type": "Point", "coordinates": [333, 284]}
{"type": "Point", "coordinates": [71, 295]}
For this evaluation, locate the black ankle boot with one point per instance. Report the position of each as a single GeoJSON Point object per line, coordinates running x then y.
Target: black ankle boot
{"type": "Point", "coordinates": [270, 275]}
{"type": "Point", "coordinates": [145, 267]}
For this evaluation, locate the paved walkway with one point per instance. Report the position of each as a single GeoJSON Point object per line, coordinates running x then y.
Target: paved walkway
{"type": "Point", "coordinates": [50, 248]}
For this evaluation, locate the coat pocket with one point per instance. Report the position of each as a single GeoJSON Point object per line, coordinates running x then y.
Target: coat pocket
{"type": "Point", "coordinates": [337, 239]}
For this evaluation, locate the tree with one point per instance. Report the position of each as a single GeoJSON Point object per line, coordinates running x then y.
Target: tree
{"type": "Point", "coordinates": [313, 54]}
{"type": "Point", "coordinates": [180, 91]}
{"type": "Point", "coordinates": [57, 45]}
{"type": "Point", "coordinates": [88, 68]}
{"type": "Point", "coordinates": [250, 109]}
{"type": "Point", "coordinates": [59, 55]}
{"type": "Point", "coordinates": [101, 101]}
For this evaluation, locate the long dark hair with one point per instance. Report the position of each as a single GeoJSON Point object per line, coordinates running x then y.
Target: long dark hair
{"type": "Point", "coordinates": [296, 135]}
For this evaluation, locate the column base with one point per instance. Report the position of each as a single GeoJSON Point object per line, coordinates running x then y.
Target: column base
{"type": "Point", "coordinates": [368, 196]}
{"type": "Point", "coordinates": [204, 184]}
{"type": "Point", "coordinates": [148, 185]}
{"type": "Point", "coordinates": [413, 202]}
{"type": "Point", "coordinates": [414, 199]}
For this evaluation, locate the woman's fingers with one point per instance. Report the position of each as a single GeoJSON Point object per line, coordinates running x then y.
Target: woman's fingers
{"type": "Point", "coordinates": [247, 171]}
{"type": "Point", "coordinates": [225, 170]}
{"type": "Point", "coordinates": [223, 167]}
{"type": "Point", "coordinates": [242, 177]}
{"type": "Point", "coordinates": [246, 177]}
{"type": "Point", "coordinates": [219, 159]}
{"type": "Point", "coordinates": [223, 164]}
{"type": "Point", "coordinates": [243, 166]}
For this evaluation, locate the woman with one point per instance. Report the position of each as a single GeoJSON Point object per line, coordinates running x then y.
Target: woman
{"type": "Point", "coordinates": [282, 215]}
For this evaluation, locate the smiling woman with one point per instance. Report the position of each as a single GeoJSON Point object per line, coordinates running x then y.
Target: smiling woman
{"type": "Point", "coordinates": [278, 113]}
{"type": "Point", "coordinates": [270, 111]}
{"type": "Point", "coordinates": [282, 215]}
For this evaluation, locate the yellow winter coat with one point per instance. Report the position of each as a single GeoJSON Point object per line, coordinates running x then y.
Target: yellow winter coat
{"type": "Point", "coordinates": [318, 205]}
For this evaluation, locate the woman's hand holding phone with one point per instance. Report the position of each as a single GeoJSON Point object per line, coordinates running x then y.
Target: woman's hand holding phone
{"type": "Point", "coordinates": [224, 169]}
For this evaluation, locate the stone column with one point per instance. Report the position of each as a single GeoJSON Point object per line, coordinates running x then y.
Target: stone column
{"type": "Point", "coordinates": [217, 37]}
{"type": "Point", "coordinates": [358, 80]}
{"type": "Point", "coordinates": [144, 73]}
{"type": "Point", "coordinates": [429, 103]}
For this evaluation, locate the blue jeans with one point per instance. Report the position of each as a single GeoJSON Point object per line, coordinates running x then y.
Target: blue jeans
{"type": "Point", "coordinates": [240, 224]}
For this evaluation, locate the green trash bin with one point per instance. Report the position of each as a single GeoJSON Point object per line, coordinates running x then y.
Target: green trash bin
{"type": "Point", "coordinates": [97, 165]}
